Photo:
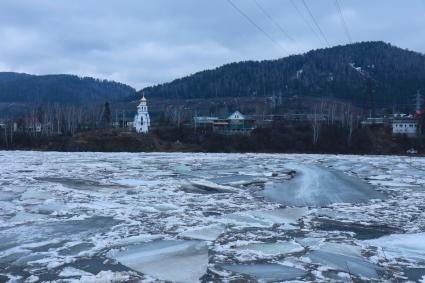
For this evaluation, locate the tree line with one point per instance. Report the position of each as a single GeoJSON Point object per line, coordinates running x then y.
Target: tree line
{"type": "Point", "coordinates": [58, 120]}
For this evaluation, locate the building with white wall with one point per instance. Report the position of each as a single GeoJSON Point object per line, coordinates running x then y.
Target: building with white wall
{"type": "Point", "coordinates": [142, 120]}
{"type": "Point", "coordinates": [406, 125]}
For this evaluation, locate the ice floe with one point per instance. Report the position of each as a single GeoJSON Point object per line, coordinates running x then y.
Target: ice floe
{"type": "Point", "coordinates": [287, 217]}
{"type": "Point", "coordinates": [176, 261]}
{"type": "Point", "coordinates": [408, 246]}
{"type": "Point", "coordinates": [73, 272]}
{"type": "Point", "coordinates": [272, 249]}
{"type": "Point", "coordinates": [344, 257]}
{"type": "Point", "coordinates": [207, 233]}
{"type": "Point", "coordinates": [60, 211]}
{"type": "Point", "coordinates": [267, 272]}
{"type": "Point", "coordinates": [207, 187]}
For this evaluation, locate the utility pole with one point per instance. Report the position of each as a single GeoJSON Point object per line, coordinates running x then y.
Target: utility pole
{"type": "Point", "coordinates": [123, 122]}
{"type": "Point", "coordinates": [418, 101]}
{"type": "Point", "coordinates": [370, 101]}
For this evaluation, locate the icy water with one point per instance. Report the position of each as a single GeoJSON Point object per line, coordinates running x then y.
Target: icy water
{"type": "Point", "coordinates": [123, 217]}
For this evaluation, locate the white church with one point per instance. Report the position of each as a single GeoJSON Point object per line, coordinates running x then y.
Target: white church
{"type": "Point", "coordinates": [142, 122]}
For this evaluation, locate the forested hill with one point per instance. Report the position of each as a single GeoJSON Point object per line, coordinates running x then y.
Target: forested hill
{"type": "Point", "coordinates": [338, 72]}
{"type": "Point", "coordinates": [64, 89]}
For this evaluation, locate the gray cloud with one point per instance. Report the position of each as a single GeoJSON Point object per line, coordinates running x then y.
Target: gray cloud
{"type": "Point", "coordinates": [144, 42]}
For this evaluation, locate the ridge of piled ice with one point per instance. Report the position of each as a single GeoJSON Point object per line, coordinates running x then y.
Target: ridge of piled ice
{"type": "Point", "coordinates": [315, 185]}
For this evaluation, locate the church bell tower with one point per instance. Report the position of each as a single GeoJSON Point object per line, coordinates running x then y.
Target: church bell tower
{"type": "Point", "coordinates": [142, 121]}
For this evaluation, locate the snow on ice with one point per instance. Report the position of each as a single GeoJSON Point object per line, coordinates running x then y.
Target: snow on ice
{"type": "Point", "coordinates": [182, 217]}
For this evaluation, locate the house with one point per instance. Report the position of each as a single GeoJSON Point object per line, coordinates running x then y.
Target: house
{"type": "Point", "coordinates": [204, 121]}
{"type": "Point", "coordinates": [34, 127]}
{"type": "Point", "coordinates": [235, 124]}
{"type": "Point", "coordinates": [378, 121]}
{"type": "Point", "coordinates": [405, 125]}
{"type": "Point", "coordinates": [236, 116]}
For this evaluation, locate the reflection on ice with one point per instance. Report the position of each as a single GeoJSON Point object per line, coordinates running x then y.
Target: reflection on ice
{"type": "Point", "coordinates": [267, 272]}
{"type": "Point", "coordinates": [317, 186]}
{"type": "Point", "coordinates": [176, 261]}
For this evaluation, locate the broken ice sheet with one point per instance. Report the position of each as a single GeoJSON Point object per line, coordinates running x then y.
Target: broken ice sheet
{"type": "Point", "coordinates": [73, 272]}
{"type": "Point", "coordinates": [344, 257]}
{"type": "Point", "coordinates": [207, 233]}
{"type": "Point", "coordinates": [287, 217]}
{"type": "Point", "coordinates": [50, 206]}
{"type": "Point", "coordinates": [234, 180]}
{"type": "Point", "coordinates": [7, 196]}
{"type": "Point", "coordinates": [176, 261]}
{"type": "Point", "coordinates": [23, 216]}
{"type": "Point", "coordinates": [266, 272]}
{"type": "Point", "coordinates": [77, 183]}
{"type": "Point", "coordinates": [272, 249]}
{"type": "Point", "coordinates": [207, 187]}
{"type": "Point", "coordinates": [408, 246]}
{"type": "Point", "coordinates": [14, 238]}
{"type": "Point", "coordinates": [156, 205]}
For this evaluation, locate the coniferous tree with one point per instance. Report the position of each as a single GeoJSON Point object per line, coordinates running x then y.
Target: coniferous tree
{"type": "Point", "coordinates": [106, 115]}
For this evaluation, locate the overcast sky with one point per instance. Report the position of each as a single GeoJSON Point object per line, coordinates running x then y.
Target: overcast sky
{"type": "Point", "coordinates": [145, 42]}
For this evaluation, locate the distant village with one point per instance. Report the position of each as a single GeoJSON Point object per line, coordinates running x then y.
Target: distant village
{"type": "Point", "coordinates": [55, 121]}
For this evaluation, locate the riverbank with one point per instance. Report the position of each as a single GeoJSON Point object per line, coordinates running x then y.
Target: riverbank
{"type": "Point", "coordinates": [282, 140]}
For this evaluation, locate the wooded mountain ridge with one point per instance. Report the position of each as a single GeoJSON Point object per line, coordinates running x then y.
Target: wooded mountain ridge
{"type": "Point", "coordinates": [348, 73]}
{"type": "Point", "coordinates": [62, 89]}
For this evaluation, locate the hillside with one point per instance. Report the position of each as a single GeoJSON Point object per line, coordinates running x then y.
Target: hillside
{"type": "Point", "coordinates": [339, 72]}
{"type": "Point", "coordinates": [63, 89]}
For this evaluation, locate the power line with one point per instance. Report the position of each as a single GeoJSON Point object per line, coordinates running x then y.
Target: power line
{"type": "Point", "coordinates": [344, 23]}
{"type": "Point", "coordinates": [315, 22]}
{"type": "Point", "coordinates": [255, 25]}
{"type": "Point", "coordinates": [273, 20]}
{"type": "Point", "coordinates": [305, 20]}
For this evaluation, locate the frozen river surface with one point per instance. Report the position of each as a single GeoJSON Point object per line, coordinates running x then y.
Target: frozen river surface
{"type": "Point", "coordinates": [123, 217]}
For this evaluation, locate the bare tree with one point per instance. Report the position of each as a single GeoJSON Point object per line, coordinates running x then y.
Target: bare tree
{"type": "Point", "coordinates": [315, 124]}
